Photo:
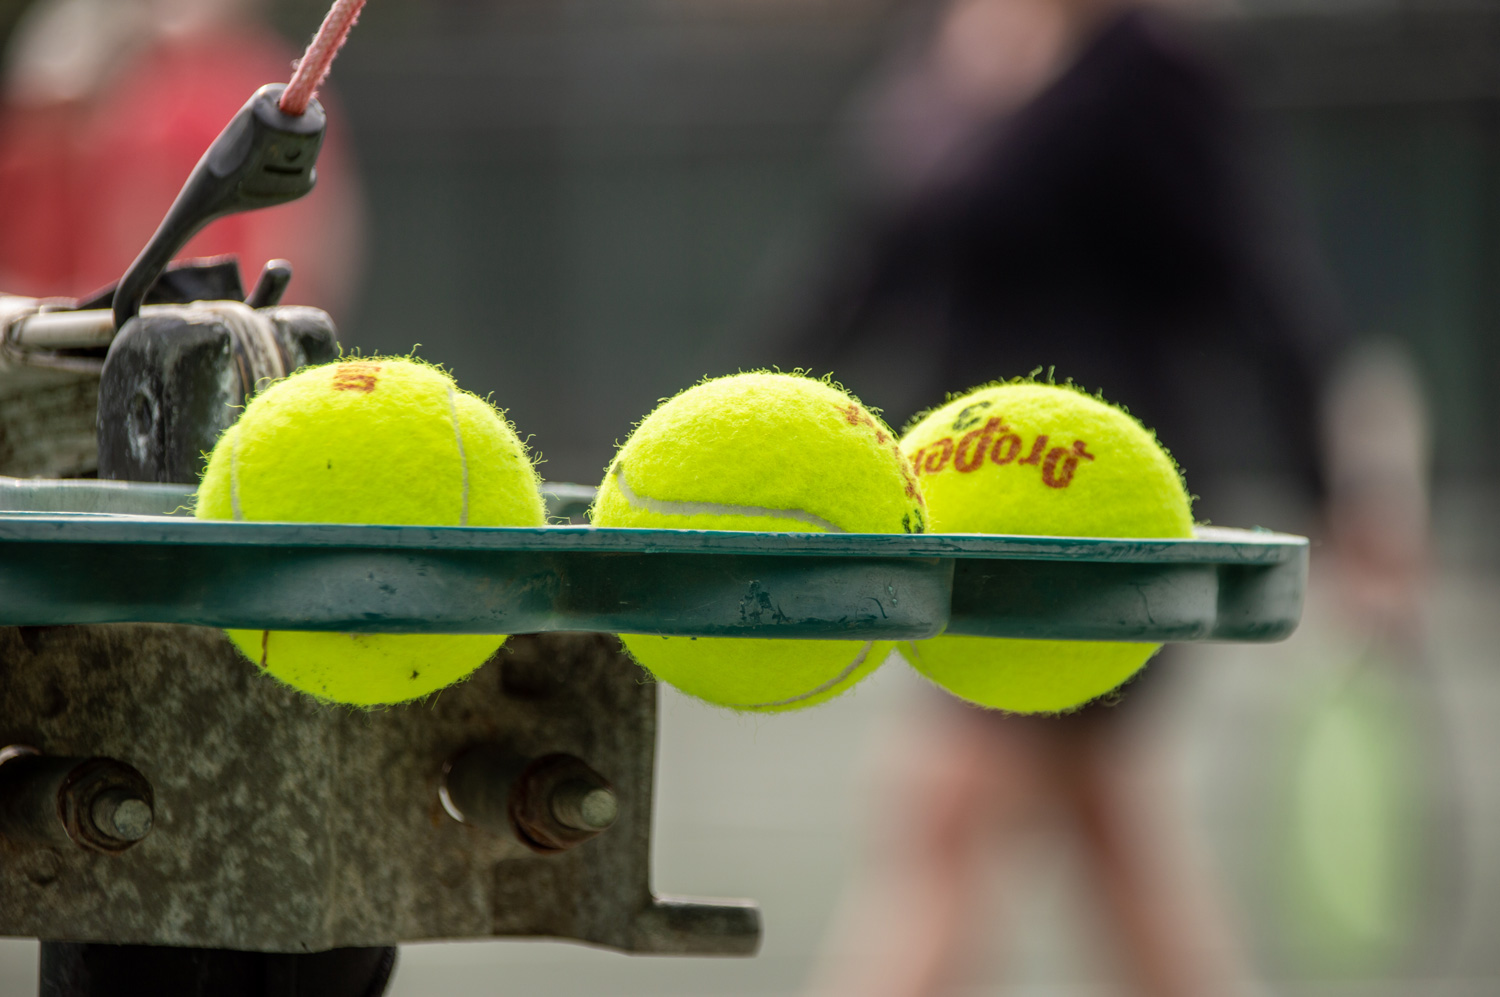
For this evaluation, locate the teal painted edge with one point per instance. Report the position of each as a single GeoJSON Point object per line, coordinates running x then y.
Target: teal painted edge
{"type": "Point", "coordinates": [122, 551]}
{"type": "Point", "coordinates": [1214, 545]}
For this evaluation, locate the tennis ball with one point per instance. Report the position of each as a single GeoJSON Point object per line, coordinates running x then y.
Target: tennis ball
{"type": "Point", "coordinates": [380, 440]}
{"type": "Point", "coordinates": [766, 452]}
{"type": "Point", "coordinates": [1040, 459]}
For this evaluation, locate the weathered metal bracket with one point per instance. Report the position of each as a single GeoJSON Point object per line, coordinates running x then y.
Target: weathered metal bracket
{"type": "Point", "coordinates": [286, 825]}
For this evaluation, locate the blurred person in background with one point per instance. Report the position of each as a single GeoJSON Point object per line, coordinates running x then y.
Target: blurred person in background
{"type": "Point", "coordinates": [106, 106]}
{"type": "Point", "coordinates": [1375, 437]}
{"type": "Point", "coordinates": [1072, 185]}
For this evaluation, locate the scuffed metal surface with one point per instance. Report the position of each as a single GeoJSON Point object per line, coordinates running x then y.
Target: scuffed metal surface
{"type": "Point", "coordinates": [286, 825]}
{"type": "Point", "coordinates": [47, 422]}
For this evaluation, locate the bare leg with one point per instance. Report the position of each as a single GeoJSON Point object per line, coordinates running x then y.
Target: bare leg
{"type": "Point", "coordinates": [958, 779]}
{"type": "Point", "coordinates": [1175, 942]}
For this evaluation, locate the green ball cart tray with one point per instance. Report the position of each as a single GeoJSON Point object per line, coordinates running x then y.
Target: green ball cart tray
{"type": "Point", "coordinates": [90, 565]}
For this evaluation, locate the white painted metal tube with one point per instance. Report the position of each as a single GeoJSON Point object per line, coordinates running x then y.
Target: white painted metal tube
{"type": "Point", "coordinates": [64, 330]}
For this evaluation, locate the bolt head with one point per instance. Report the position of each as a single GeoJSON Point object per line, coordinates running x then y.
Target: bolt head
{"type": "Point", "coordinates": [122, 816]}
{"type": "Point", "coordinates": [584, 805]}
{"type": "Point", "coordinates": [599, 808]}
{"type": "Point", "coordinates": [132, 819]}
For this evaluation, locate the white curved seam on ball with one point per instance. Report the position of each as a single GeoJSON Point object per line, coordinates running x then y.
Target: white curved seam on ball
{"type": "Point", "coordinates": [671, 508]}
{"type": "Point", "coordinates": [463, 459]}
{"type": "Point", "coordinates": [859, 659]}
{"type": "Point", "coordinates": [234, 479]}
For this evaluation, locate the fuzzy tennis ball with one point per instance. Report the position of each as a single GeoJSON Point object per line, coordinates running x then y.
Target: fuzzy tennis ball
{"type": "Point", "coordinates": [1040, 459]}
{"type": "Point", "coordinates": [382, 440]}
{"type": "Point", "coordinates": [768, 452]}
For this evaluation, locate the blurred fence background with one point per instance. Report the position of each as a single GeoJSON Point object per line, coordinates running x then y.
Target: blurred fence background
{"type": "Point", "coordinates": [585, 206]}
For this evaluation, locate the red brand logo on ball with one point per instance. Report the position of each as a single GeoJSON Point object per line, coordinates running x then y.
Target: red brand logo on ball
{"type": "Point", "coordinates": [355, 377]}
{"type": "Point", "coordinates": [856, 416]}
{"type": "Point", "coordinates": [1000, 445]}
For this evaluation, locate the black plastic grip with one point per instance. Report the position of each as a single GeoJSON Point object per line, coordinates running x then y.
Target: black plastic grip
{"type": "Point", "coordinates": [262, 158]}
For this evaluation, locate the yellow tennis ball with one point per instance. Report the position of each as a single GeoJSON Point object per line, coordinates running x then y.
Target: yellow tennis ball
{"type": "Point", "coordinates": [1040, 459]}
{"type": "Point", "coordinates": [381, 440]}
{"type": "Point", "coordinates": [766, 452]}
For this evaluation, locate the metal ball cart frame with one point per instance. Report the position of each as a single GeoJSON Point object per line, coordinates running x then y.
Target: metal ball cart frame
{"type": "Point", "coordinates": [281, 825]}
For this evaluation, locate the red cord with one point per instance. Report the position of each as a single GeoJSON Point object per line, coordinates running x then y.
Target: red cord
{"type": "Point", "coordinates": [312, 68]}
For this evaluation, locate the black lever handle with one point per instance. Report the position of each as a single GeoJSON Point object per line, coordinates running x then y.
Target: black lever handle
{"type": "Point", "coordinates": [262, 158]}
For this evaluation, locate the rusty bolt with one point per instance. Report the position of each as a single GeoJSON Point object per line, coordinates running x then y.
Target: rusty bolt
{"type": "Point", "coordinates": [554, 783]}
{"type": "Point", "coordinates": [100, 804]}
{"type": "Point", "coordinates": [549, 804]}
